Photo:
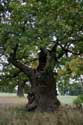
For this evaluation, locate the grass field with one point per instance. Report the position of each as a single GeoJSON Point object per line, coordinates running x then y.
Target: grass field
{"type": "Point", "coordinates": [67, 99]}
{"type": "Point", "coordinates": [13, 112]}
{"type": "Point", "coordinates": [19, 116]}
{"type": "Point", "coordinates": [8, 98]}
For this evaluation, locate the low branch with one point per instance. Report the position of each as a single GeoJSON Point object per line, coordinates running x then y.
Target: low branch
{"type": "Point", "coordinates": [24, 68]}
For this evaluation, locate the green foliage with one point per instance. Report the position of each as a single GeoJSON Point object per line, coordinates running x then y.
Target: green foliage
{"type": "Point", "coordinates": [70, 70]}
{"type": "Point", "coordinates": [42, 19]}
{"type": "Point", "coordinates": [34, 25]}
{"type": "Point", "coordinates": [78, 100]}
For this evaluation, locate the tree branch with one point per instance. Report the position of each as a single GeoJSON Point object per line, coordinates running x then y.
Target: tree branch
{"type": "Point", "coordinates": [64, 48]}
{"type": "Point", "coordinates": [42, 59]}
{"type": "Point", "coordinates": [53, 51]}
{"type": "Point", "coordinates": [24, 68]}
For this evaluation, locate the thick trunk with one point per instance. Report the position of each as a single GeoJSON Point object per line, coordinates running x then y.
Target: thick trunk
{"type": "Point", "coordinates": [44, 89]}
{"type": "Point", "coordinates": [48, 102]}
{"type": "Point", "coordinates": [20, 91]}
{"type": "Point", "coordinates": [44, 97]}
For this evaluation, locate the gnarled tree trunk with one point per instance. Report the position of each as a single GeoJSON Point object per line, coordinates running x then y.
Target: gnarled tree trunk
{"type": "Point", "coordinates": [45, 92]}
{"type": "Point", "coordinates": [42, 81]}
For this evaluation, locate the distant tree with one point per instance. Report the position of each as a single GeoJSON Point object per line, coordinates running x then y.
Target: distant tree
{"type": "Point", "coordinates": [70, 77]}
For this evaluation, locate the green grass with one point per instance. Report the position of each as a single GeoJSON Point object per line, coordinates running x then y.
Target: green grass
{"type": "Point", "coordinates": [78, 100]}
{"type": "Point", "coordinates": [67, 99]}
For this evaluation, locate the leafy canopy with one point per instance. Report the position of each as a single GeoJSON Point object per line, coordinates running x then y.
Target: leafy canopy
{"type": "Point", "coordinates": [43, 23]}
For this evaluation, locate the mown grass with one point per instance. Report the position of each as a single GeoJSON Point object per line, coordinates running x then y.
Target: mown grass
{"type": "Point", "coordinates": [13, 96]}
{"type": "Point", "coordinates": [19, 116]}
{"type": "Point", "coordinates": [67, 99]}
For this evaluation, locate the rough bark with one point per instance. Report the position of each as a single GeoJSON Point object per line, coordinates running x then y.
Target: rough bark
{"type": "Point", "coordinates": [42, 81]}
{"type": "Point", "coordinates": [44, 88]}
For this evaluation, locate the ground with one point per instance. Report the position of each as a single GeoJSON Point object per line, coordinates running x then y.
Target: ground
{"type": "Point", "coordinates": [12, 99]}
{"type": "Point", "coordinates": [13, 112]}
